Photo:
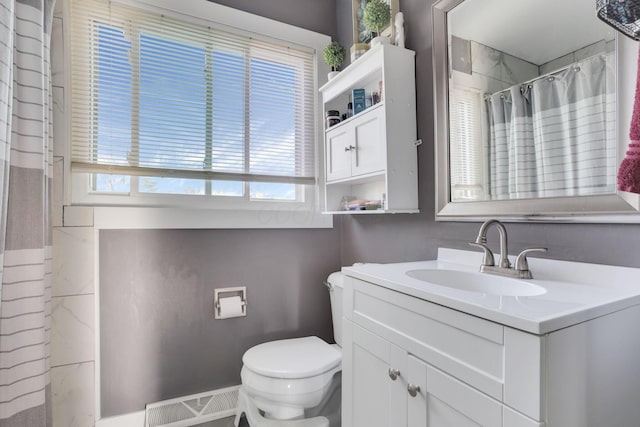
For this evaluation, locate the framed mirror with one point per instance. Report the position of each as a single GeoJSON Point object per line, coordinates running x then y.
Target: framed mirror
{"type": "Point", "coordinates": [533, 101]}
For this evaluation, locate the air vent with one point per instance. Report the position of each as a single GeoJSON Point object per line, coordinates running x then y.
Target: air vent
{"type": "Point", "coordinates": [192, 410]}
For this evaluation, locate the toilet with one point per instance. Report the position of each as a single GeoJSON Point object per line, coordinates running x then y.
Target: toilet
{"type": "Point", "coordinates": [283, 379]}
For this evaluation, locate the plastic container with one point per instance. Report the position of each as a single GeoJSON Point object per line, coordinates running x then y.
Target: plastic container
{"type": "Point", "coordinates": [333, 118]}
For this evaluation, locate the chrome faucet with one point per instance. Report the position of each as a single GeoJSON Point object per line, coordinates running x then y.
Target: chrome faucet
{"type": "Point", "coordinates": [521, 269]}
{"type": "Point", "coordinates": [481, 242]}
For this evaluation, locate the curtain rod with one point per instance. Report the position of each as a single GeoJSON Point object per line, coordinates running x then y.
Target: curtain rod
{"type": "Point", "coordinates": [553, 73]}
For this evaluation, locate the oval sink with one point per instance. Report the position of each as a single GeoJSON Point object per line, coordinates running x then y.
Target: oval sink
{"type": "Point", "coordinates": [477, 282]}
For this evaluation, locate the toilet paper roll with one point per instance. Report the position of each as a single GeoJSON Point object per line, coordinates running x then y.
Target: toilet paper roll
{"type": "Point", "coordinates": [230, 307]}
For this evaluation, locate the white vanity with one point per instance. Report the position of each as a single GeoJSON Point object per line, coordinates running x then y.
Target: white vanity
{"type": "Point", "coordinates": [560, 350]}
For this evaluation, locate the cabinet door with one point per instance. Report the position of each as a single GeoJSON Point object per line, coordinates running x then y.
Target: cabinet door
{"type": "Point", "coordinates": [371, 398]}
{"type": "Point", "coordinates": [369, 132]}
{"type": "Point", "coordinates": [339, 142]}
{"type": "Point", "coordinates": [443, 401]}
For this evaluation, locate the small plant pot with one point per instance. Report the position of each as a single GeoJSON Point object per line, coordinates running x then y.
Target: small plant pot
{"type": "Point", "coordinates": [332, 74]}
{"type": "Point", "coordinates": [379, 40]}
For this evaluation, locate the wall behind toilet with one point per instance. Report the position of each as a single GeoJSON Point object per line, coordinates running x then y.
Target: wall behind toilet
{"type": "Point", "coordinates": [159, 339]}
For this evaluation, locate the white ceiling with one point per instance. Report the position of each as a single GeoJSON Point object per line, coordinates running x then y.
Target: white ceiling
{"type": "Point", "coordinates": [534, 30]}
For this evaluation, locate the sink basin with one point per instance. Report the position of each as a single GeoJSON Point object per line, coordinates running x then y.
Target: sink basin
{"type": "Point", "coordinates": [477, 282]}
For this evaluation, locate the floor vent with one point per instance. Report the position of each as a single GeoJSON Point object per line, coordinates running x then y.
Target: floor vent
{"type": "Point", "coordinates": [192, 410]}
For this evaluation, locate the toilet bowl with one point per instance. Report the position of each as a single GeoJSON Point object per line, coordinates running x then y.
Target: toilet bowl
{"type": "Point", "coordinates": [282, 379]}
{"type": "Point", "coordinates": [286, 377]}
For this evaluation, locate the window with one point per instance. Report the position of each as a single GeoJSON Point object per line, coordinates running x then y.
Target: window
{"type": "Point", "coordinates": [466, 154]}
{"type": "Point", "coordinates": [163, 107]}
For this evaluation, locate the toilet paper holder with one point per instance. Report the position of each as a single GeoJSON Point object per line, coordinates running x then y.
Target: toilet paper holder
{"type": "Point", "coordinates": [221, 294]}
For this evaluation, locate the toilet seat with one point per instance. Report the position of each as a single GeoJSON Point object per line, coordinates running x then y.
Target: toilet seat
{"type": "Point", "coordinates": [289, 390]}
{"type": "Point", "coordinates": [292, 358]}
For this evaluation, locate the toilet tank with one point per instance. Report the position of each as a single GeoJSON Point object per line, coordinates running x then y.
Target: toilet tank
{"type": "Point", "coordinates": [335, 282]}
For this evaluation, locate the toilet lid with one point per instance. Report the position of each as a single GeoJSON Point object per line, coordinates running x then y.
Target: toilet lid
{"type": "Point", "coordinates": [292, 358]}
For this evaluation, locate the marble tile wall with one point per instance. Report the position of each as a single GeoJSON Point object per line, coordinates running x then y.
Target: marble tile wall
{"type": "Point", "coordinates": [73, 289]}
{"type": "Point", "coordinates": [496, 66]}
{"type": "Point", "coordinates": [73, 328]}
{"type": "Point", "coordinates": [578, 55]}
{"type": "Point", "coordinates": [490, 69]}
{"type": "Point", "coordinates": [73, 395]}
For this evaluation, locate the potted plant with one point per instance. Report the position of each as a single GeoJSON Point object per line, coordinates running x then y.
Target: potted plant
{"type": "Point", "coordinates": [334, 56]}
{"type": "Point", "coordinates": [377, 17]}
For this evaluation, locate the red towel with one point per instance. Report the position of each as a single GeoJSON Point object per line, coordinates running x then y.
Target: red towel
{"type": "Point", "coordinates": [629, 172]}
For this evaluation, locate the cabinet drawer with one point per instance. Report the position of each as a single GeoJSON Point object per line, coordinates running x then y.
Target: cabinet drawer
{"type": "Point", "coordinates": [483, 354]}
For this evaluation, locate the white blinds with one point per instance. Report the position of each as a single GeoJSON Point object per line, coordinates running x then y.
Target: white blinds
{"type": "Point", "coordinates": [466, 154]}
{"type": "Point", "coordinates": [157, 96]}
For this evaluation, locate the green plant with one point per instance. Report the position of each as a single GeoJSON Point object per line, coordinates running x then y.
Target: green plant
{"type": "Point", "coordinates": [377, 16]}
{"type": "Point", "coordinates": [334, 55]}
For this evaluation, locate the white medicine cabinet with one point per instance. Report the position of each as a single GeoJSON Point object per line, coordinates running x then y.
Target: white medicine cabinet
{"type": "Point", "coordinates": [372, 155]}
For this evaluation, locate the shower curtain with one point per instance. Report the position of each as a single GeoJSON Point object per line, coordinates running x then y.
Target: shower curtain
{"type": "Point", "coordinates": [511, 148]}
{"type": "Point", "coordinates": [25, 234]}
{"type": "Point", "coordinates": [555, 136]}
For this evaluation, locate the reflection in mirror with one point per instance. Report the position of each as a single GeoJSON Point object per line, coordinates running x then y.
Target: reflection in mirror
{"type": "Point", "coordinates": [532, 100]}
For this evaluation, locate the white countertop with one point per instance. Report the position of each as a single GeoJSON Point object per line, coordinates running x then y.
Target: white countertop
{"type": "Point", "coordinates": [575, 292]}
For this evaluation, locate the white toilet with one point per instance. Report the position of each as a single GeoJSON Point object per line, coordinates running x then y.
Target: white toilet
{"type": "Point", "coordinates": [280, 379]}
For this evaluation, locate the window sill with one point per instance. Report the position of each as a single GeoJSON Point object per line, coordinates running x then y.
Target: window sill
{"type": "Point", "coordinates": [180, 218]}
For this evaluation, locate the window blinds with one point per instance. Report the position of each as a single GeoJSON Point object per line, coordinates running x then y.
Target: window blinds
{"type": "Point", "coordinates": [466, 154]}
{"type": "Point", "coordinates": [156, 96]}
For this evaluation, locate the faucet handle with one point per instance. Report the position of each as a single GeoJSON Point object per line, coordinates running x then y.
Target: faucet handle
{"type": "Point", "coordinates": [488, 255]}
{"type": "Point", "coordinates": [521, 261]}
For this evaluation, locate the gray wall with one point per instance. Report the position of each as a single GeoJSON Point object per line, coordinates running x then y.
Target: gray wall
{"type": "Point", "coordinates": [414, 237]}
{"type": "Point", "coordinates": [158, 336]}
{"type": "Point", "coordinates": [314, 15]}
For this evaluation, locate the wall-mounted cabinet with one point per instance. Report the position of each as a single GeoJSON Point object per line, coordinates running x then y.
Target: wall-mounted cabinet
{"type": "Point", "coordinates": [372, 155]}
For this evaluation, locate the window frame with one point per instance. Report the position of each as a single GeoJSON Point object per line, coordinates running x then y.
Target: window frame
{"type": "Point", "coordinates": [77, 185]}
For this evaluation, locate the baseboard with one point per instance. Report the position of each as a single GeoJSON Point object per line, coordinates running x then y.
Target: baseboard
{"type": "Point", "coordinates": [134, 419]}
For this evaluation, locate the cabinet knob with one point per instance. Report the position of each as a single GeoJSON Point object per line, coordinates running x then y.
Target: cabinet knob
{"type": "Point", "coordinates": [413, 389]}
{"type": "Point", "coordinates": [394, 374]}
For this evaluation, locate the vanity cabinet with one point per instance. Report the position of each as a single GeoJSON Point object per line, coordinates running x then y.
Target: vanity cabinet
{"type": "Point", "coordinates": [390, 387]}
{"type": "Point", "coordinates": [410, 362]}
{"type": "Point", "coordinates": [373, 154]}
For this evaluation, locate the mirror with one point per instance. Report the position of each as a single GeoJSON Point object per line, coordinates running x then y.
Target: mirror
{"type": "Point", "coordinates": [529, 119]}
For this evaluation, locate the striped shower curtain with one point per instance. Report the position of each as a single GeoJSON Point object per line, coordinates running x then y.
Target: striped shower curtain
{"type": "Point", "coordinates": [512, 169]}
{"type": "Point", "coordinates": [574, 129]}
{"type": "Point", "coordinates": [555, 136]}
{"type": "Point", "coordinates": [25, 234]}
